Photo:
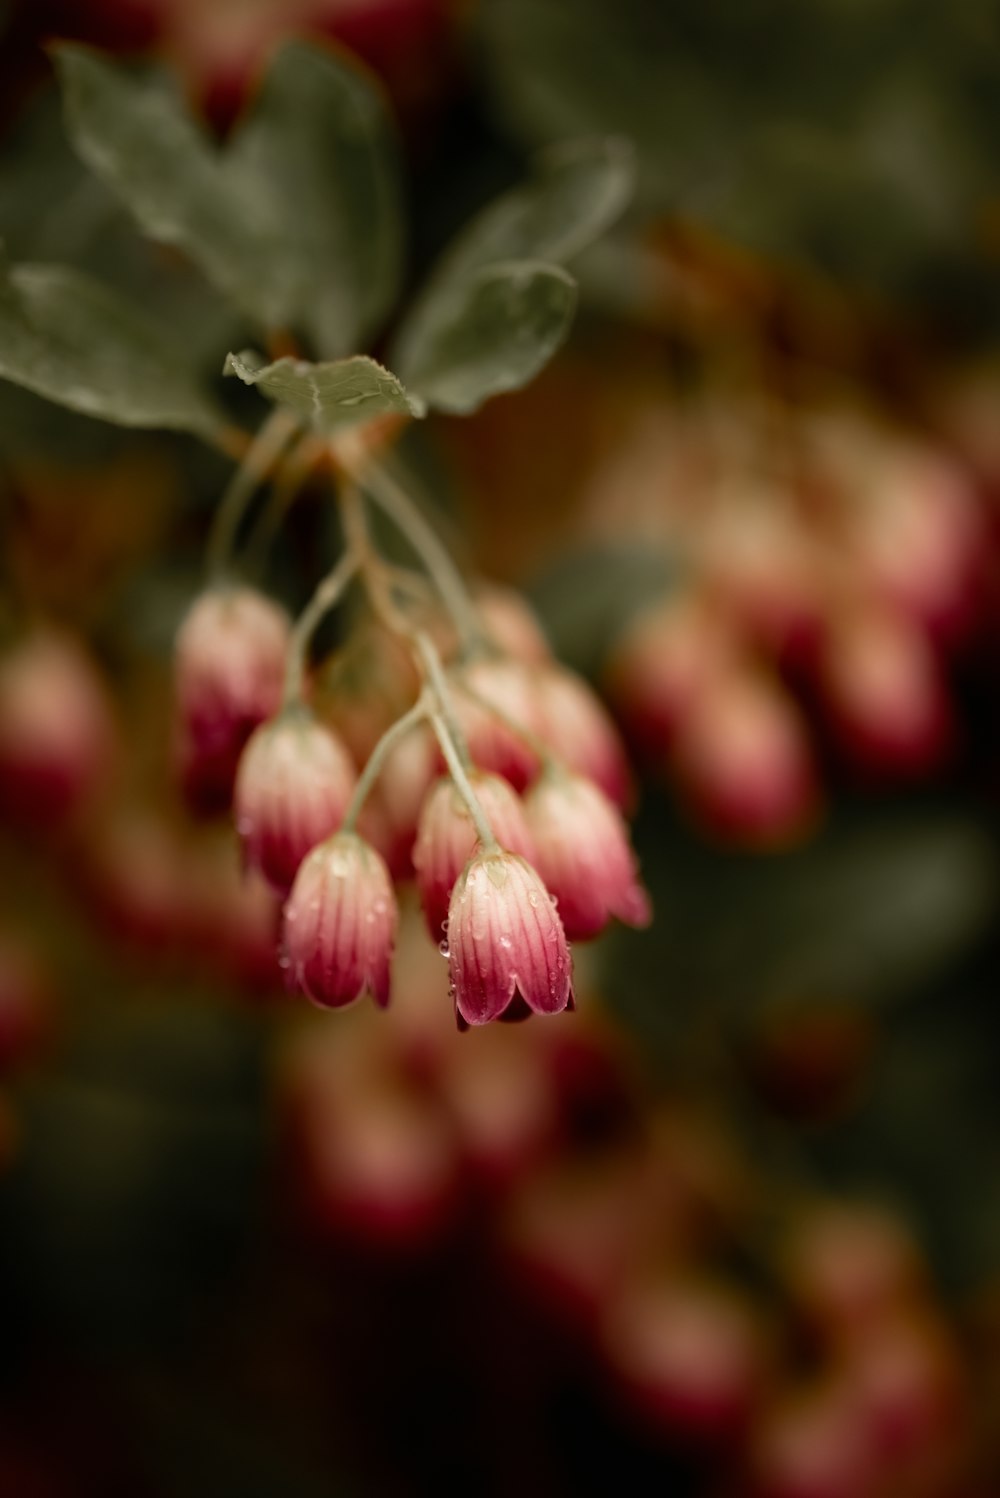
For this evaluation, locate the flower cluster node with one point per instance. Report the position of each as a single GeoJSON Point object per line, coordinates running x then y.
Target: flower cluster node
{"type": "Point", "coordinates": [507, 813]}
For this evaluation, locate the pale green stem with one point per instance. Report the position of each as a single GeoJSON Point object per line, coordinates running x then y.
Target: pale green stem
{"type": "Point", "coordinates": [393, 500]}
{"type": "Point", "coordinates": [326, 595]}
{"type": "Point", "coordinates": [393, 735]}
{"type": "Point", "coordinates": [434, 671]}
{"type": "Point", "coordinates": [480, 820]}
{"type": "Point", "coordinates": [259, 459]}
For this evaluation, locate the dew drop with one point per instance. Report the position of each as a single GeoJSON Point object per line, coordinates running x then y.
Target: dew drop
{"type": "Point", "coordinates": [505, 941]}
{"type": "Point", "coordinates": [443, 947]}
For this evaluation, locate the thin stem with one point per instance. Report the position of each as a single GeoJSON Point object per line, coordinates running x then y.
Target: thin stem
{"type": "Point", "coordinates": [434, 671]}
{"type": "Point", "coordinates": [258, 460]}
{"type": "Point", "coordinates": [326, 595]}
{"type": "Point", "coordinates": [418, 713]}
{"type": "Point", "coordinates": [393, 500]}
{"type": "Point", "coordinates": [373, 570]}
{"type": "Point", "coordinates": [480, 820]}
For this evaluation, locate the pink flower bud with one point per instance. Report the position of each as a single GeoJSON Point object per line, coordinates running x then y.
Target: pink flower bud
{"type": "Point", "coordinates": [447, 838]}
{"type": "Point", "coordinates": [576, 726]}
{"type": "Point", "coordinates": [690, 1356]}
{"type": "Point", "coordinates": [885, 693]}
{"type": "Point", "coordinates": [57, 737]}
{"type": "Point", "coordinates": [512, 623]}
{"type": "Point", "coordinates": [663, 662]}
{"type": "Point", "coordinates": [340, 923]}
{"type": "Point", "coordinates": [292, 788]}
{"type": "Point", "coordinates": [230, 665]}
{"type": "Point", "coordinates": [583, 855]}
{"type": "Point", "coordinates": [744, 763]}
{"type": "Point", "coordinates": [493, 743]}
{"type": "Point", "coordinates": [507, 947]}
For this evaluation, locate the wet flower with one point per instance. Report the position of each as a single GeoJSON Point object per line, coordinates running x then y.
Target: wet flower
{"type": "Point", "coordinates": [340, 923]}
{"type": "Point", "coordinates": [507, 949]}
{"type": "Point", "coordinates": [447, 838]}
{"type": "Point", "coordinates": [294, 781]}
{"type": "Point", "coordinates": [583, 854]}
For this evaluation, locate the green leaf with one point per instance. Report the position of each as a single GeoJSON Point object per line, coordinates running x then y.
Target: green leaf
{"type": "Point", "coordinates": [296, 221]}
{"type": "Point", "coordinates": [69, 338]}
{"type": "Point", "coordinates": [492, 332]}
{"type": "Point", "coordinates": [330, 395]}
{"type": "Point", "coordinates": [578, 190]}
{"type": "Point", "coordinates": [320, 152]}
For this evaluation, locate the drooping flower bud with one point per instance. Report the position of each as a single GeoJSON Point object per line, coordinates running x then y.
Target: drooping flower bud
{"type": "Point", "coordinates": [583, 854]}
{"type": "Point", "coordinates": [512, 623]}
{"type": "Point", "coordinates": [340, 923]}
{"type": "Point", "coordinates": [744, 763]}
{"type": "Point", "coordinates": [294, 781]}
{"type": "Point", "coordinates": [57, 734]}
{"type": "Point", "coordinates": [447, 838]}
{"type": "Point", "coordinates": [507, 949]}
{"type": "Point", "coordinates": [885, 693]}
{"type": "Point", "coordinates": [576, 726]}
{"type": "Point", "coordinates": [230, 665]}
{"type": "Point", "coordinates": [493, 743]}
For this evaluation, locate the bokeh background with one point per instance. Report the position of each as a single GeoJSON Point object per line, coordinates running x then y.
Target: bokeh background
{"type": "Point", "coordinates": [734, 1227]}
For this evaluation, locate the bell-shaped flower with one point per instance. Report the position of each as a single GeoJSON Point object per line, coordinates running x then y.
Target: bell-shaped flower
{"type": "Point", "coordinates": [574, 723]}
{"type": "Point", "coordinates": [340, 923]}
{"type": "Point", "coordinates": [583, 854]}
{"type": "Point", "coordinates": [230, 664]}
{"type": "Point", "coordinates": [447, 837]}
{"type": "Point", "coordinates": [494, 742]}
{"type": "Point", "coordinates": [507, 950]}
{"type": "Point", "coordinates": [293, 785]}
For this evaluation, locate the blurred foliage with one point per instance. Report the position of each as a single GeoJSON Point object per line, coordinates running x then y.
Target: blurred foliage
{"type": "Point", "coordinates": [859, 140]}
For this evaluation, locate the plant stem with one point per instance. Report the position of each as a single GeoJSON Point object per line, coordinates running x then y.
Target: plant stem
{"type": "Point", "coordinates": [397, 731]}
{"type": "Point", "coordinates": [457, 770]}
{"type": "Point", "coordinates": [393, 500]}
{"type": "Point", "coordinates": [326, 595]}
{"type": "Point", "coordinates": [258, 460]}
{"type": "Point", "coordinates": [434, 671]}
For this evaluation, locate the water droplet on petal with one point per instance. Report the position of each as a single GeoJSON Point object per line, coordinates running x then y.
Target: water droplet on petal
{"type": "Point", "coordinates": [443, 947]}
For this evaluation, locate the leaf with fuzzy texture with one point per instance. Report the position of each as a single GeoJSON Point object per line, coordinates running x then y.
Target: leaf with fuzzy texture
{"type": "Point", "coordinates": [579, 189]}
{"type": "Point", "coordinates": [493, 332]}
{"type": "Point", "coordinates": [296, 220]}
{"type": "Point", "coordinates": [73, 340]}
{"type": "Point", "coordinates": [331, 395]}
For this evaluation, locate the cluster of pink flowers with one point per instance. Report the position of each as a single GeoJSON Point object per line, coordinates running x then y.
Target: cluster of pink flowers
{"type": "Point", "coordinates": [546, 774]}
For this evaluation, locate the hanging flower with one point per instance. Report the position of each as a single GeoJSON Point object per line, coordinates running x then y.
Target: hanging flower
{"type": "Point", "coordinates": [294, 781]}
{"type": "Point", "coordinates": [340, 923]}
{"type": "Point", "coordinates": [447, 838]}
{"type": "Point", "coordinates": [507, 949]}
{"type": "Point", "coordinates": [583, 854]}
